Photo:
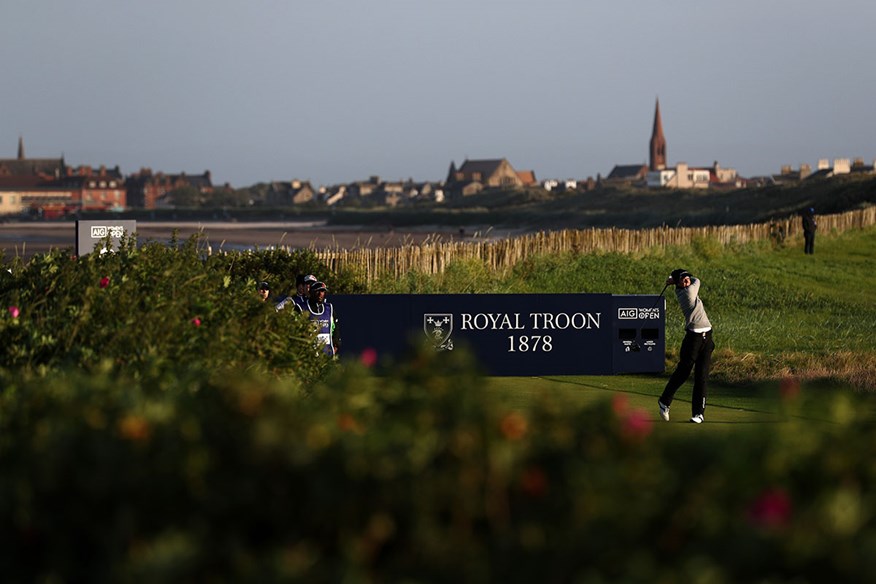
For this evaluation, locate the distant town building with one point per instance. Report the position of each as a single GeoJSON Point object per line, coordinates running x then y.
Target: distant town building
{"type": "Point", "coordinates": [723, 176]}
{"type": "Point", "coordinates": [148, 190]}
{"type": "Point", "coordinates": [685, 177]}
{"type": "Point", "coordinates": [48, 187]}
{"type": "Point", "coordinates": [527, 177]}
{"type": "Point", "coordinates": [627, 175]}
{"type": "Point", "coordinates": [562, 186]}
{"type": "Point", "coordinates": [859, 166]}
{"type": "Point", "coordinates": [680, 177]}
{"type": "Point", "coordinates": [294, 192]}
{"type": "Point", "coordinates": [840, 166]}
{"type": "Point", "coordinates": [95, 189]}
{"type": "Point", "coordinates": [475, 175]}
{"type": "Point", "coordinates": [824, 169]}
{"type": "Point", "coordinates": [364, 188]}
{"type": "Point", "coordinates": [32, 194]}
{"type": "Point", "coordinates": [390, 193]}
{"type": "Point", "coordinates": [25, 182]}
{"type": "Point", "coordinates": [426, 191]}
{"type": "Point", "coordinates": [332, 195]}
{"type": "Point", "coordinates": [21, 166]}
{"type": "Point", "coordinates": [787, 174]}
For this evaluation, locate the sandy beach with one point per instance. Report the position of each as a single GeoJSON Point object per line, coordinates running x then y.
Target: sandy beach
{"type": "Point", "coordinates": [24, 239]}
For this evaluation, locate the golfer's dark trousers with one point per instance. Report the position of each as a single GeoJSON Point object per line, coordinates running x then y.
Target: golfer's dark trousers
{"type": "Point", "coordinates": [696, 353]}
{"type": "Point", "coordinates": [809, 245]}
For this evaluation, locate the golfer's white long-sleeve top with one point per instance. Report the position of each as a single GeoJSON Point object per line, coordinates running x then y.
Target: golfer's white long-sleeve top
{"type": "Point", "coordinates": [695, 318]}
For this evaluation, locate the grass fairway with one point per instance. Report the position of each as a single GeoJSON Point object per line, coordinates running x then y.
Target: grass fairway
{"type": "Point", "coordinates": [731, 406]}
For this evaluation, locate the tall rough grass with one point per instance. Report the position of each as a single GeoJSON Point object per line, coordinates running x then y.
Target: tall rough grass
{"type": "Point", "coordinates": [433, 257]}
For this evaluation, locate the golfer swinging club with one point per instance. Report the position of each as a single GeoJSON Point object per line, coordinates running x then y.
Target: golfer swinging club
{"type": "Point", "coordinates": [696, 348]}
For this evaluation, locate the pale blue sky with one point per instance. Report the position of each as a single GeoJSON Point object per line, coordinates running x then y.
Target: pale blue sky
{"type": "Point", "coordinates": [334, 91]}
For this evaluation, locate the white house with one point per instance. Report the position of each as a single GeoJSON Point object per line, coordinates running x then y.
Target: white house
{"type": "Point", "coordinates": [680, 177]}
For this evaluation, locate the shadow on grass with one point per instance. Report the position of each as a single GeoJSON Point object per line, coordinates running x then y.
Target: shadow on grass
{"type": "Point", "coordinates": [748, 399]}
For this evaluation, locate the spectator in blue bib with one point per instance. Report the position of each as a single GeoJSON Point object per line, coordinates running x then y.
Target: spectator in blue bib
{"type": "Point", "coordinates": [302, 293]}
{"type": "Point", "coordinates": [322, 313]}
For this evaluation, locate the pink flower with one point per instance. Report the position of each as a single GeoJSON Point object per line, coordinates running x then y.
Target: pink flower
{"type": "Point", "coordinates": [196, 321]}
{"type": "Point", "coordinates": [368, 358]}
{"type": "Point", "coordinates": [636, 425]}
{"type": "Point", "coordinates": [104, 282]}
{"type": "Point", "coordinates": [14, 312]}
{"type": "Point", "coordinates": [771, 509]}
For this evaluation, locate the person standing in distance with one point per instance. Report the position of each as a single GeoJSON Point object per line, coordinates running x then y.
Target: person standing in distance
{"type": "Point", "coordinates": [322, 313]}
{"type": "Point", "coordinates": [264, 290]}
{"type": "Point", "coordinates": [303, 284]}
{"type": "Point", "coordinates": [302, 292]}
{"type": "Point", "coordinates": [696, 348]}
{"type": "Point", "coordinates": [809, 227]}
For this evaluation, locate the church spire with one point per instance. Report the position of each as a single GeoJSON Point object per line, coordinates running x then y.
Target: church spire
{"type": "Point", "coordinates": [20, 147]}
{"type": "Point", "coordinates": [658, 142]}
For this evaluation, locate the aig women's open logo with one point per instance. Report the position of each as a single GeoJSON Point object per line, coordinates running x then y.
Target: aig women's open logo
{"type": "Point", "coordinates": [101, 231]}
{"type": "Point", "coordinates": [638, 313]}
{"type": "Point", "coordinates": [438, 328]}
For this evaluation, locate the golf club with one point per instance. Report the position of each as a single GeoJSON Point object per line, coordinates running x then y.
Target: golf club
{"type": "Point", "coordinates": [661, 296]}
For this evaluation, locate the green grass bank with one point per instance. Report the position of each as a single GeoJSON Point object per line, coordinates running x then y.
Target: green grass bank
{"type": "Point", "coordinates": [776, 311]}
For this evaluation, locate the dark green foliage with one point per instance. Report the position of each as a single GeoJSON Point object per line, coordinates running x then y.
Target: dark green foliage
{"type": "Point", "coordinates": [154, 308]}
{"type": "Point", "coordinates": [418, 475]}
{"type": "Point", "coordinates": [280, 267]}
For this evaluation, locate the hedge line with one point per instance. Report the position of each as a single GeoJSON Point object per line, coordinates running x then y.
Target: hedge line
{"type": "Point", "coordinates": [416, 475]}
{"type": "Point", "coordinates": [155, 307]}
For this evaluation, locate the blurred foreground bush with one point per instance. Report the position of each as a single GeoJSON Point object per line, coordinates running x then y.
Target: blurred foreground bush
{"type": "Point", "coordinates": [419, 476]}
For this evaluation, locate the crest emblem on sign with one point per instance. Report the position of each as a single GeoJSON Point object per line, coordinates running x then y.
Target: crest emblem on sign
{"type": "Point", "coordinates": [438, 328]}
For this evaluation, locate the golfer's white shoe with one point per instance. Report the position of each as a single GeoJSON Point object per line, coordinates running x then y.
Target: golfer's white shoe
{"type": "Point", "coordinates": [698, 419]}
{"type": "Point", "coordinates": [664, 411]}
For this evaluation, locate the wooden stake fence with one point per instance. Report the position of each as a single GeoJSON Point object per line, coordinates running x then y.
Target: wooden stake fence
{"type": "Point", "coordinates": [433, 257]}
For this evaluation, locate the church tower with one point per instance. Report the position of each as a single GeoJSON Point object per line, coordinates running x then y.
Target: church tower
{"type": "Point", "coordinates": [658, 142]}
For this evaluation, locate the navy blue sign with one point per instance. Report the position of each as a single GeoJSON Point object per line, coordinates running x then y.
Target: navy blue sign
{"type": "Point", "coordinates": [513, 334]}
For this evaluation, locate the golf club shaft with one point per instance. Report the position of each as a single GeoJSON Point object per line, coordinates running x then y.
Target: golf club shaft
{"type": "Point", "coordinates": [661, 295]}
